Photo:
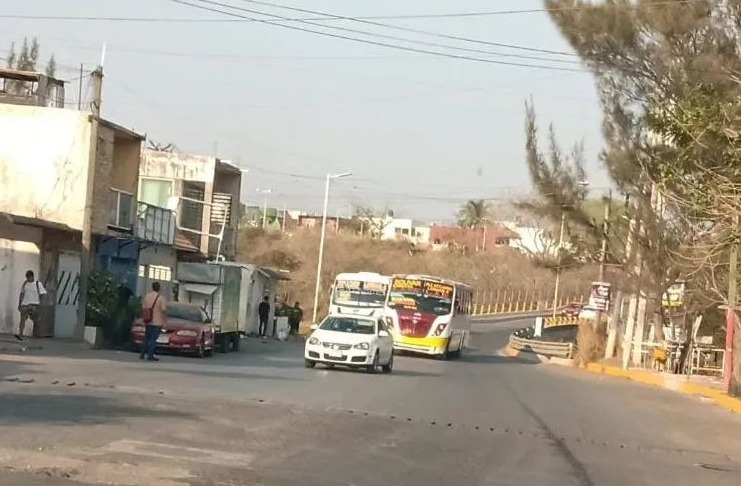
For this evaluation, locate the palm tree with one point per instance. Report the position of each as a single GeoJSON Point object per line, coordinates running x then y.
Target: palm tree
{"type": "Point", "coordinates": [474, 213]}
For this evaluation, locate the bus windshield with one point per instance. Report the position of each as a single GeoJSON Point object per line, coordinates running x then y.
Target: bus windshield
{"type": "Point", "coordinates": [421, 296]}
{"type": "Point", "coordinates": [355, 293]}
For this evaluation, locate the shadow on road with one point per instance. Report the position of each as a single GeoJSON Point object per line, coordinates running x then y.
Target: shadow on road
{"type": "Point", "coordinates": [494, 359]}
{"type": "Point", "coordinates": [11, 368]}
{"type": "Point", "coordinates": [72, 409]}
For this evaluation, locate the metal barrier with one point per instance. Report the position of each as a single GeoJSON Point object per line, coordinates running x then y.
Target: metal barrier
{"type": "Point", "coordinates": [549, 322]}
{"type": "Point", "coordinates": [550, 349]}
{"type": "Point", "coordinates": [517, 306]}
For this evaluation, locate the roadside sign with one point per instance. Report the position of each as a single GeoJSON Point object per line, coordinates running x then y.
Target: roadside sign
{"type": "Point", "coordinates": [599, 297]}
{"type": "Point", "coordinates": [674, 295]}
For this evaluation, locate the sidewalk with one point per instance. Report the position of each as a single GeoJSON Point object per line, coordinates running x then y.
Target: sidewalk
{"type": "Point", "coordinates": [699, 386]}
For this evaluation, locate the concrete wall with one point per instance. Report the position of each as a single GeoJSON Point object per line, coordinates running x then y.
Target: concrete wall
{"type": "Point", "coordinates": [17, 255]}
{"type": "Point", "coordinates": [165, 165]}
{"type": "Point", "coordinates": [43, 163]}
{"type": "Point", "coordinates": [161, 255]}
{"type": "Point", "coordinates": [118, 168]}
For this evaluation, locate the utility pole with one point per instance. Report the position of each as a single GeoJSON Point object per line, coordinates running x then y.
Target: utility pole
{"type": "Point", "coordinates": [603, 250]}
{"type": "Point", "coordinates": [558, 268]}
{"type": "Point", "coordinates": [732, 359]}
{"type": "Point", "coordinates": [86, 260]}
{"type": "Point", "coordinates": [284, 218]}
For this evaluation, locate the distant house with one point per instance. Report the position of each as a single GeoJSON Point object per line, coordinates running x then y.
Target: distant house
{"type": "Point", "coordinates": [487, 238]}
{"type": "Point", "coordinates": [533, 240]}
{"type": "Point", "coordinates": [311, 221]}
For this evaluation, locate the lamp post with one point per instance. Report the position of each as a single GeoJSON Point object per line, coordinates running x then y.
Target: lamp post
{"type": "Point", "coordinates": [265, 193]}
{"type": "Point", "coordinates": [321, 240]}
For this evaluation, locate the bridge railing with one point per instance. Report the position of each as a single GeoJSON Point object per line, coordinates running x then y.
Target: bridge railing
{"type": "Point", "coordinates": [516, 303]}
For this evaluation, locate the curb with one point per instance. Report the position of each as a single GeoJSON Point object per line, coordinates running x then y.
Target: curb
{"type": "Point", "coordinates": [657, 380]}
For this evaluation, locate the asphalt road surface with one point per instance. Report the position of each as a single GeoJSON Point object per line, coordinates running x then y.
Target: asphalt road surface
{"type": "Point", "coordinates": [260, 418]}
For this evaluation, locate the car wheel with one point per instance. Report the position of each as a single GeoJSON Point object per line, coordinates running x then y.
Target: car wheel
{"type": "Point", "coordinates": [389, 367]}
{"type": "Point", "coordinates": [309, 363]}
{"type": "Point", "coordinates": [373, 366]}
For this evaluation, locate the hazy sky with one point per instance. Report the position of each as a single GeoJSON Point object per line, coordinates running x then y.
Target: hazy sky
{"type": "Point", "coordinates": [421, 133]}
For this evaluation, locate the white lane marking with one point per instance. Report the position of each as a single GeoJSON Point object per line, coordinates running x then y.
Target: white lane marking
{"type": "Point", "coordinates": [190, 454]}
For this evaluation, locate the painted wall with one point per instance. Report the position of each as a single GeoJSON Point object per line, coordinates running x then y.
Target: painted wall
{"type": "Point", "coordinates": [160, 255]}
{"type": "Point", "coordinates": [43, 163]}
{"type": "Point", "coordinates": [17, 255]}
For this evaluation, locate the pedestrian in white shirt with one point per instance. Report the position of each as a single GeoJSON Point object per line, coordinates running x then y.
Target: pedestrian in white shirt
{"type": "Point", "coordinates": [29, 301]}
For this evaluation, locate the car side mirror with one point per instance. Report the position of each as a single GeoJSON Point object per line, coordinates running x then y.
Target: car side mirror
{"type": "Point", "coordinates": [383, 333]}
{"type": "Point", "coordinates": [314, 327]}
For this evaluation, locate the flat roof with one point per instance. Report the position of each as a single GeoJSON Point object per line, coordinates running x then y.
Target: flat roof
{"type": "Point", "coordinates": [123, 130]}
{"type": "Point", "coordinates": [31, 76]}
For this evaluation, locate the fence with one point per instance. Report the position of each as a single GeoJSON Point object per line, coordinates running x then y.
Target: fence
{"type": "Point", "coordinates": [546, 348]}
{"type": "Point", "coordinates": [518, 302]}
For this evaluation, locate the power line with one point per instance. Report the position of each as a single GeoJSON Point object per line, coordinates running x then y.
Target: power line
{"type": "Point", "coordinates": [363, 41]}
{"type": "Point", "coordinates": [383, 36]}
{"type": "Point", "coordinates": [415, 31]}
{"type": "Point", "coordinates": [67, 18]}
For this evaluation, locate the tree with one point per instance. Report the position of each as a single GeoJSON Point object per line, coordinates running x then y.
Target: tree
{"type": "Point", "coordinates": [370, 221]}
{"type": "Point", "coordinates": [26, 60]}
{"type": "Point", "coordinates": [474, 213]}
{"type": "Point", "coordinates": [667, 79]}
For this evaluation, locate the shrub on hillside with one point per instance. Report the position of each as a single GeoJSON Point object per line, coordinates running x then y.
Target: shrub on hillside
{"type": "Point", "coordinates": [504, 273]}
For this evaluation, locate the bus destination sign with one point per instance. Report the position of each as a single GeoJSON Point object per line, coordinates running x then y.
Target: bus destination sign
{"type": "Point", "coordinates": [442, 291]}
{"type": "Point", "coordinates": [406, 285]}
{"type": "Point", "coordinates": [358, 286]}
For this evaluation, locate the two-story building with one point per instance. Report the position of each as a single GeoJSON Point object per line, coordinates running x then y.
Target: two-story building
{"type": "Point", "coordinates": [204, 192]}
{"type": "Point", "coordinates": [45, 156]}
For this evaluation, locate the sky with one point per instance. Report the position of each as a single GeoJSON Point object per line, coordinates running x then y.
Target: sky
{"type": "Point", "coordinates": [421, 133]}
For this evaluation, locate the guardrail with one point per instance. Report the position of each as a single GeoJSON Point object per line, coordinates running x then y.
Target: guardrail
{"type": "Point", "coordinates": [516, 306]}
{"type": "Point", "coordinates": [545, 348]}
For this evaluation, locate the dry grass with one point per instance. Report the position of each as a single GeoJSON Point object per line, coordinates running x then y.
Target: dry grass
{"type": "Point", "coordinates": [591, 342]}
{"type": "Point", "coordinates": [504, 272]}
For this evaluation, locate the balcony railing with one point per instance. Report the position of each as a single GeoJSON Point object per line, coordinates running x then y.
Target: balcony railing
{"type": "Point", "coordinates": [122, 215]}
{"type": "Point", "coordinates": [155, 224]}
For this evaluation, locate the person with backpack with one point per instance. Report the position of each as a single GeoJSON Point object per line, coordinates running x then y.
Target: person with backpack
{"type": "Point", "coordinates": [29, 301]}
{"type": "Point", "coordinates": [154, 314]}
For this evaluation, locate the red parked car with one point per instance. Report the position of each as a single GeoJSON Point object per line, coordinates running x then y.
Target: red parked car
{"type": "Point", "coordinates": [188, 329]}
{"type": "Point", "coordinates": [570, 310]}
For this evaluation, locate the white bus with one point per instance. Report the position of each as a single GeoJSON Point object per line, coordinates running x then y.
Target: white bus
{"type": "Point", "coordinates": [362, 293]}
{"type": "Point", "coordinates": [429, 315]}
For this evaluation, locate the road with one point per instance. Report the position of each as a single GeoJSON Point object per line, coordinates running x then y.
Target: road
{"type": "Point", "coordinates": [259, 417]}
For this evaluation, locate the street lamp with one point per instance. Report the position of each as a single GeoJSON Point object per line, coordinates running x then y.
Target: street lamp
{"type": "Point", "coordinates": [265, 193]}
{"type": "Point", "coordinates": [321, 240]}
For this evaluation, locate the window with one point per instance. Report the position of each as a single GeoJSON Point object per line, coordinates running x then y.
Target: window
{"type": "Point", "coordinates": [155, 191]}
{"type": "Point", "coordinates": [123, 209]}
{"type": "Point", "coordinates": [156, 272]}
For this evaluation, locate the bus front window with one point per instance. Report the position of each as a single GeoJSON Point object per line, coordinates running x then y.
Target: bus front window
{"type": "Point", "coordinates": [359, 294]}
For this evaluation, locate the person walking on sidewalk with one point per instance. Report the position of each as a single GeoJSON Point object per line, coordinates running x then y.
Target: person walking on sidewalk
{"type": "Point", "coordinates": [263, 312]}
{"type": "Point", "coordinates": [154, 314]}
{"type": "Point", "coordinates": [29, 301]}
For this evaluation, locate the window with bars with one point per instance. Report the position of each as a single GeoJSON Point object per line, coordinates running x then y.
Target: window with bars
{"type": "Point", "coordinates": [156, 272]}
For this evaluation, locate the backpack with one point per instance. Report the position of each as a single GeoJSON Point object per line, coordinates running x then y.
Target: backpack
{"type": "Point", "coordinates": [148, 314]}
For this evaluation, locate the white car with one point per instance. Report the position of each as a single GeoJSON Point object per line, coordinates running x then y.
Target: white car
{"type": "Point", "coordinates": [350, 340]}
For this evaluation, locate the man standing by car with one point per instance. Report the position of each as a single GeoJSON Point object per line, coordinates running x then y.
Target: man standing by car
{"type": "Point", "coordinates": [294, 318]}
{"type": "Point", "coordinates": [263, 312]}
{"type": "Point", "coordinates": [154, 314]}
{"type": "Point", "coordinates": [29, 301]}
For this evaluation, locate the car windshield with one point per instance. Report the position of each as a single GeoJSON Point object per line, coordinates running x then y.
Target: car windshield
{"type": "Point", "coordinates": [348, 324]}
{"type": "Point", "coordinates": [359, 294]}
{"type": "Point", "coordinates": [185, 312]}
{"type": "Point", "coordinates": [421, 296]}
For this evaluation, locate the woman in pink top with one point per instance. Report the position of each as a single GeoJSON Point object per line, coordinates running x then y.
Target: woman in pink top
{"type": "Point", "coordinates": [154, 314]}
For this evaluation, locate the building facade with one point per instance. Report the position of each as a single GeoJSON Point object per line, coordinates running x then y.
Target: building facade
{"type": "Point", "coordinates": [203, 191]}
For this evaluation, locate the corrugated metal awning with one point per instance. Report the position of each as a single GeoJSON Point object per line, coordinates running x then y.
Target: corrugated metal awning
{"type": "Point", "coordinates": [203, 289]}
